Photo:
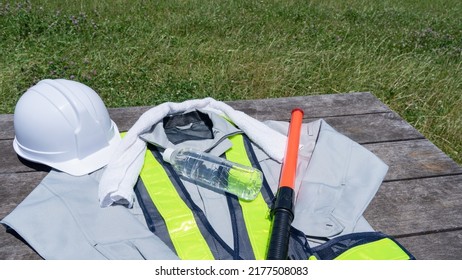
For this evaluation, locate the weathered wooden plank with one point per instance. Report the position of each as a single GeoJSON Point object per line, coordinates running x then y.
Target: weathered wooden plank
{"type": "Point", "coordinates": [10, 162]}
{"type": "Point", "coordinates": [13, 248]}
{"type": "Point", "coordinates": [263, 109]}
{"type": "Point", "coordinates": [125, 118]}
{"type": "Point", "coordinates": [409, 159]}
{"type": "Point", "coordinates": [363, 128]}
{"type": "Point", "coordinates": [372, 128]}
{"type": "Point", "coordinates": [367, 128]}
{"type": "Point", "coordinates": [436, 246]}
{"type": "Point", "coordinates": [414, 159]}
{"type": "Point", "coordinates": [417, 206]}
{"type": "Point", "coordinates": [317, 106]}
{"type": "Point", "coordinates": [6, 126]}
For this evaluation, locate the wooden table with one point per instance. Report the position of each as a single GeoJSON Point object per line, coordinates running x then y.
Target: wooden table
{"type": "Point", "coordinates": [419, 202]}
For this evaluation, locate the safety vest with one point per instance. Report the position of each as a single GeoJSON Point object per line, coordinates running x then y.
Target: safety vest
{"type": "Point", "coordinates": [173, 216]}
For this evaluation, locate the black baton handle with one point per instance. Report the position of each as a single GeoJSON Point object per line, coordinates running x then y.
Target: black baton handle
{"type": "Point", "coordinates": [283, 216]}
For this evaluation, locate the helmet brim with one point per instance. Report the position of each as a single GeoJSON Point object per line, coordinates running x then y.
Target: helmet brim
{"type": "Point", "coordinates": [79, 167]}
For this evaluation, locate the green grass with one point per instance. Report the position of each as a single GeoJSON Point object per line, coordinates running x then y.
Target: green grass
{"type": "Point", "coordinates": [406, 52]}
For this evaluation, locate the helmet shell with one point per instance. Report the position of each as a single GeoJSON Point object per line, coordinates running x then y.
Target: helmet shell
{"type": "Point", "coordinates": [64, 124]}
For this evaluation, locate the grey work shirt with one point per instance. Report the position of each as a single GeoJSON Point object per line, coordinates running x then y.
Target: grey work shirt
{"type": "Point", "coordinates": [336, 179]}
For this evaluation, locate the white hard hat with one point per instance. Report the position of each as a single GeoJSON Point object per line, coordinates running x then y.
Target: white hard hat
{"type": "Point", "coordinates": [65, 125]}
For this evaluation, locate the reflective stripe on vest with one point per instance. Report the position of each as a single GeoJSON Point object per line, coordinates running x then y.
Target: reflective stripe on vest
{"type": "Point", "coordinates": [192, 213]}
{"type": "Point", "coordinates": [185, 235]}
{"type": "Point", "coordinates": [255, 212]}
{"type": "Point", "coordinates": [259, 231]}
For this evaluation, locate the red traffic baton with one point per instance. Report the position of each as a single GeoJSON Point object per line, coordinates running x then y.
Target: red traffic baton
{"type": "Point", "coordinates": [282, 212]}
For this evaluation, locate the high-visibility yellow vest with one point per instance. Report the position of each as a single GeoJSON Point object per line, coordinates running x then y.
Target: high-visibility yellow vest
{"type": "Point", "coordinates": [172, 215]}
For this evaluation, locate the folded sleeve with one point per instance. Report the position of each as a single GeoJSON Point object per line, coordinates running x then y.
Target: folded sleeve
{"type": "Point", "coordinates": [61, 219]}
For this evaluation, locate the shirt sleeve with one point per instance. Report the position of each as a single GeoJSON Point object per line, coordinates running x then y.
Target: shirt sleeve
{"type": "Point", "coordinates": [61, 219]}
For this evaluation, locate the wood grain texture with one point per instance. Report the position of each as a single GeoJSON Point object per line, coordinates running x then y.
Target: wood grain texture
{"type": "Point", "coordinates": [373, 128]}
{"type": "Point", "coordinates": [436, 246]}
{"type": "Point", "coordinates": [317, 106]}
{"type": "Point", "coordinates": [10, 162]}
{"type": "Point", "coordinates": [6, 126]}
{"type": "Point", "coordinates": [413, 159]}
{"type": "Point", "coordinates": [417, 206]}
{"type": "Point", "coordinates": [12, 247]}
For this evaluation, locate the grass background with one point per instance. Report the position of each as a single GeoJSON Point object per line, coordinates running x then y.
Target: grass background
{"type": "Point", "coordinates": [408, 53]}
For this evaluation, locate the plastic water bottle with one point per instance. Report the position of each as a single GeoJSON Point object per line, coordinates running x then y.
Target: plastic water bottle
{"type": "Point", "coordinates": [215, 173]}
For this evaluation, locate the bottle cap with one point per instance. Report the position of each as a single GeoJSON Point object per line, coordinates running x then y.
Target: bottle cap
{"type": "Point", "coordinates": [166, 156]}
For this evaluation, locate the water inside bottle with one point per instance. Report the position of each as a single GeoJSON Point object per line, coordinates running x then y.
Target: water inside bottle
{"type": "Point", "coordinates": [218, 173]}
